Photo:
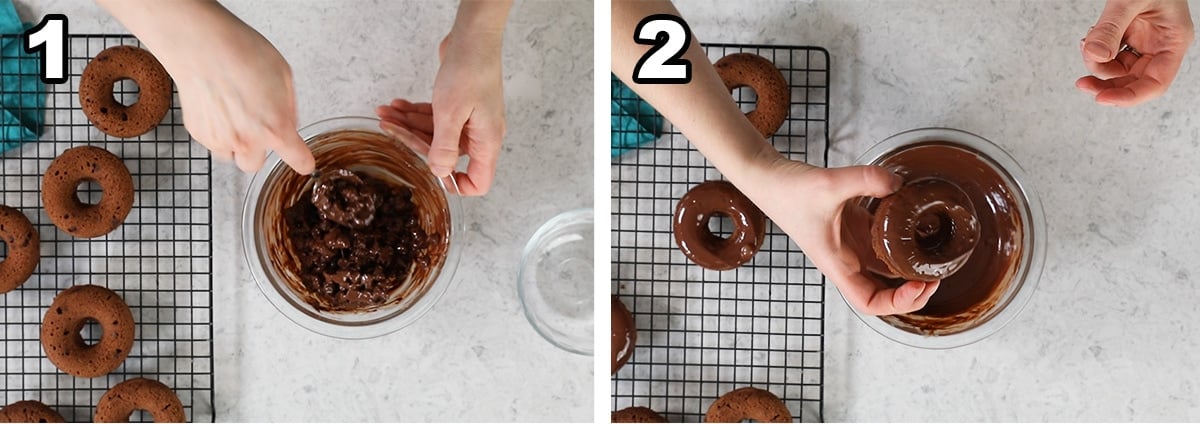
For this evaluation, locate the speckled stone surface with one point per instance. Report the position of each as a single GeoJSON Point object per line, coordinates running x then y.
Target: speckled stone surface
{"type": "Point", "coordinates": [1112, 332]}
{"type": "Point", "coordinates": [471, 358]}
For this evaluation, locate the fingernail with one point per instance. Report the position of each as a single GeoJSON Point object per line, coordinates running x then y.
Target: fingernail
{"type": "Point", "coordinates": [440, 171]}
{"type": "Point", "coordinates": [1098, 50]}
{"type": "Point", "coordinates": [1105, 103]}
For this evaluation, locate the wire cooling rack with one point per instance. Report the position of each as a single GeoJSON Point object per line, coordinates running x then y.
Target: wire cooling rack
{"type": "Point", "coordinates": [159, 260]}
{"type": "Point", "coordinates": [703, 333]}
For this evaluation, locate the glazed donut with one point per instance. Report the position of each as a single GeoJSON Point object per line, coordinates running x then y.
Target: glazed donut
{"type": "Point", "coordinates": [624, 334]}
{"type": "Point", "coordinates": [62, 179]}
{"type": "Point", "coordinates": [925, 231]}
{"type": "Point", "coordinates": [71, 310]}
{"type": "Point", "coordinates": [29, 411]}
{"type": "Point", "coordinates": [748, 403]}
{"type": "Point", "coordinates": [125, 63]}
{"type": "Point", "coordinates": [774, 96]}
{"type": "Point", "coordinates": [637, 414]}
{"type": "Point", "coordinates": [22, 241]}
{"type": "Point", "coordinates": [706, 249]}
{"type": "Point", "coordinates": [119, 402]}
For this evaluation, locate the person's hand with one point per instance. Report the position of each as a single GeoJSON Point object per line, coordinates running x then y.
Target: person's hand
{"type": "Point", "coordinates": [811, 205]}
{"type": "Point", "coordinates": [1157, 33]}
{"type": "Point", "coordinates": [235, 88]}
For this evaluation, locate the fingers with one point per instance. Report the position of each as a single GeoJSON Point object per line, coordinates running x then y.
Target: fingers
{"type": "Point", "coordinates": [481, 170]}
{"type": "Point", "coordinates": [1120, 66]}
{"type": "Point", "coordinates": [852, 181]}
{"type": "Point", "coordinates": [1153, 74]}
{"type": "Point", "coordinates": [872, 298]}
{"type": "Point", "coordinates": [416, 117]}
{"type": "Point", "coordinates": [250, 159]}
{"type": "Point", "coordinates": [443, 152]}
{"type": "Point", "coordinates": [1132, 94]}
{"type": "Point", "coordinates": [293, 151]}
{"type": "Point", "coordinates": [415, 141]}
{"type": "Point", "coordinates": [1104, 40]}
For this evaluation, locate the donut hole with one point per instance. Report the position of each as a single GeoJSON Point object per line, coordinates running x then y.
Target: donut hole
{"type": "Point", "coordinates": [3, 250]}
{"type": "Point", "coordinates": [89, 192]}
{"type": "Point", "coordinates": [91, 332]}
{"type": "Point", "coordinates": [140, 416]}
{"type": "Point", "coordinates": [933, 230]}
{"type": "Point", "coordinates": [746, 98]}
{"type": "Point", "coordinates": [126, 92]}
{"type": "Point", "coordinates": [720, 225]}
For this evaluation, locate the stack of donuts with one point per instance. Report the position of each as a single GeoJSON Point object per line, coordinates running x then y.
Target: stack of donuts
{"type": "Point", "coordinates": [73, 308]}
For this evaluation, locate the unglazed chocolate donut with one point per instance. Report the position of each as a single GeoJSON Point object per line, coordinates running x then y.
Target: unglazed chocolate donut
{"type": "Point", "coordinates": [624, 334]}
{"type": "Point", "coordinates": [23, 249]}
{"type": "Point", "coordinates": [926, 230]}
{"type": "Point", "coordinates": [29, 411]}
{"type": "Point", "coordinates": [125, 63]}
{"type": "Point", "coordinates": [637, 414]}
{"type": "Point", "coordinates": [61, 182]}
{"type": "Point", "coordinates": [71, 310]}
{"type": "Point", "coordinates": [706, 249]}
{"type": "Point", "coordinates": [748, 403]}
{"type": "Point", "coordinates": [774, 97]}
{"type": "Point", "coordinates": [119, 402]}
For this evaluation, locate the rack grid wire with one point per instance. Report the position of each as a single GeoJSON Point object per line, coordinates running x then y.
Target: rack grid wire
{"type": "Point", "coordinates": [703, 333]}
{"type": "Point", "coordinates": [159, 260]}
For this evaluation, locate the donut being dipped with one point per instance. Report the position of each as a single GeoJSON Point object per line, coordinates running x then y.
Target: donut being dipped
{"type": "Point", "coordinates": [925, 231]}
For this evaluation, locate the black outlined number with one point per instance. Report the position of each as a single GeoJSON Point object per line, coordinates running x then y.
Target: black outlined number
{"type": "Point", "coordinates": [49, 40]}
{"type": "Point", "coordinates": [670, 37]}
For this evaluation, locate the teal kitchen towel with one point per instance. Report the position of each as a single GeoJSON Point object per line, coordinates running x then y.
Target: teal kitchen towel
{"type": "Point", "coordinates": [634, 122]}
{"type": "Point", "coordinates": [22, 94]}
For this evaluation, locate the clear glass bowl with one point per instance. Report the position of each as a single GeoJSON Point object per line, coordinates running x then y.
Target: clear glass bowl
{"type": "Point", "coordinates": [555, 283]}
{"type": "Point", "coordinates": [274, 282]}
{"type": "Point", "coordinates": [1016, 294]}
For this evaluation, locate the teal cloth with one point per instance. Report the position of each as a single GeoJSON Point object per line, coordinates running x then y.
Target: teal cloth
{"type": "Point", "coordinates": [22, 94]}
{"type": "Point", "coordinates": [634, 122]}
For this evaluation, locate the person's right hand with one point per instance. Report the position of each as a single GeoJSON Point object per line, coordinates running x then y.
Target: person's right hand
{"type": "Point", "coordinates": [1158, 31]}
{"type": "Point", "coordinates": [810, 204]}
{"type": "Point", "coordinates": [238, 99]}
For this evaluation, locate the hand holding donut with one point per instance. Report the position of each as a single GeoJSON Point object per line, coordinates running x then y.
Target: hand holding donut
{"type": "Point", "coordinates": [1135, 49]}
{"type": "Point", "coordinates": [809, 204]}
{"type": "Point", "coordinates": [235, 88]}
{"type": "Point", "coordinates": [468, 100]}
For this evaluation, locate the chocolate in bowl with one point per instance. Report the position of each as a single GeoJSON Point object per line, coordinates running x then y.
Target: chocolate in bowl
{"type": "Point", "coordinates": [999, 277]}
{"type": "Point", "coordinates": [355, 144]}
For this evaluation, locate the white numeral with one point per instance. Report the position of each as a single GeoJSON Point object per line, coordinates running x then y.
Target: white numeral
{"type": "Point", "coordinates": [670, 37]}
{"type": "Point", "coordinates": [49, 39]}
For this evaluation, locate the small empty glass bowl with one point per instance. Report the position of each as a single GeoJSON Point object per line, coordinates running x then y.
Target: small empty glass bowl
{"type": "Point", "coordinates": [1014, 293]}
{"type": "Point", "coordinates": [555, 283]}
{"type": "Point", "coordinates": [264, 235]}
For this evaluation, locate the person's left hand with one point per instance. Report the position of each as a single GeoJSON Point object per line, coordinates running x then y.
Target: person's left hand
{"type": "Point", "coordinates": [1159, 32]}
{"type": "Point", "coordinates": [466, 116]}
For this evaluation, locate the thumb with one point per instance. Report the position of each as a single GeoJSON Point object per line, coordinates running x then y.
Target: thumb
{"type": "Point", "coordinates": [443, 151]}
{"type": "Point", "coordinates": [1103, 41]}
{"type": "Point", "coordinates": [863, 180]}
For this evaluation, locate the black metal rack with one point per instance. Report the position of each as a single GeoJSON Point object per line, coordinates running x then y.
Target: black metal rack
{"type": "Point", "coordinates": [159, 260]}
{"type": "Point", "coordinates": [703, 333]}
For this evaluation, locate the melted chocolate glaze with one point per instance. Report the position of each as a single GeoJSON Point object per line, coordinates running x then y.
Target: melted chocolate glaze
{"type": "Point", "coordinates": [968, 297]}
{"type": "Point", "coordinates": [331, 263]}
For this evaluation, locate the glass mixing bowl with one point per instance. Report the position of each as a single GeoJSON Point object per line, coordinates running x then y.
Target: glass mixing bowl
{"type": "Point", "coordinates": [555, 283]}
{"type": "Point", "coordinates": [1013, 295]}
{"type": "Point", "coordinates": [262, 229]}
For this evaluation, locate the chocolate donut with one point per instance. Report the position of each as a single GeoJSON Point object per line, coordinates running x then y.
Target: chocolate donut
{"type": "Point", "coordinates": [71, 310]}
{"type": "Point", "coordinates": [637, 414]}
{"type": "Point", "coordinates": [624, 334]}
{"type": "Point", "coordinates": [29, 411]}
{"type": "Point", "coordinates": [748, 403]}
{"type": "Point", "coordinates": [23, 254]}
{"type": "Point", "coordinates": [925, 231]}
{"type": "Point", "coordinates": [774, 97]}
{"type": "Point", "coordinates": [61, 182]}
{"type": "Point", "coordinates": [702, 203]}
{"type": "Point", "coordinates": [125, 63]}
{"type": "Point", "coordinates": [119, 402]}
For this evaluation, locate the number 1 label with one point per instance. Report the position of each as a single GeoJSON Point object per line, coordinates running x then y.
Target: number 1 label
{"type": "Point", "coordinates": [670, 37]}
{"type": "Point", "coordinates": [49, 40]}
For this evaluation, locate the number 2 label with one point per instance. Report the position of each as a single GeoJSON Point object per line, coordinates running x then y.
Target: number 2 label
{"type": "Point", "coordinates": [670, 37]}
{"type": "Point", "coordinates": [49, 39]}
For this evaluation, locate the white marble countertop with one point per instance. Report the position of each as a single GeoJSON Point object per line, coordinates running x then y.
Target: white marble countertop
{"type": "Point", "coordinates": [472, 358]}
{"type": "Point", "coordinates": [1110, 334]}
